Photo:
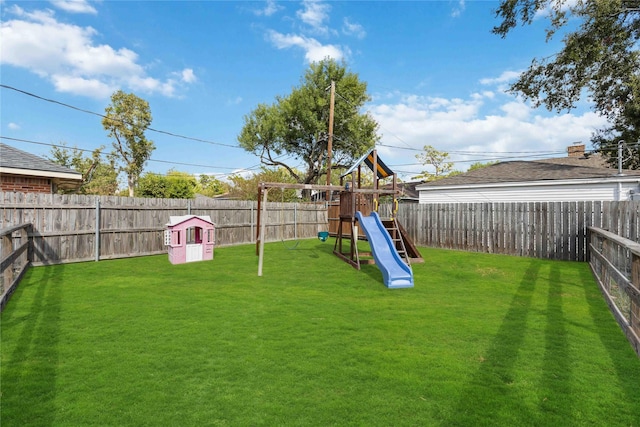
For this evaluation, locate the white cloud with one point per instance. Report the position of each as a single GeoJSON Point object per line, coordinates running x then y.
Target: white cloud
{"type": "Point", "coordinates": [188, 76]}
{"type": "Point", "coordinates": [315, 14]}
{"type": "Point", "coordinates": [314, 50]}
{"type": "Point", "coordinates": [13, 126]}
{"type": "Point", "coordinates": [481, 128]}
{"type": "Point", "coordinates": [505, 77]}
{"type": "Point", "coordinates": [82, 86]}
{"type": "Point", "coordinates": [235, 101]}
{"type": "Point", "coordinates": [269, 9]}
{"type": "Point", "coordinates": [562, 5]}
{"type": "Point", "coordinates": [75, 6]}
{"type": "Point", "coordinates": [68, 56]}
{"type": "Point", "coordinates": [457, 11]}
{"type": "Point", "coordinates": [353, 29]}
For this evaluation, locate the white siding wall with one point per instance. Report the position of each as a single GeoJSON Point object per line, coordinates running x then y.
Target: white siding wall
{"type": "Point", "coordinates": [530, 193]}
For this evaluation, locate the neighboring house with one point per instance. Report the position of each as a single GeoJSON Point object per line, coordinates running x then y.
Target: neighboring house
{"type": "Point", "coordinates": [24, 172]}
{"type": "Point", "coordinates": [408, 191]}
{"type": "Point", "coordinates": [578, 177]}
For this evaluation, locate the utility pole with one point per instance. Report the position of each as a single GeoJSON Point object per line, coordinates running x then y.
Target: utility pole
{"type": "Point", "coordinates": [332, 101]}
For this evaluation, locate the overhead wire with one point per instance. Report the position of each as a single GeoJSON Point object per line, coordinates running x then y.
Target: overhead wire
{"type": "Point", "coordinates": [518, 154]}
{"type": "Point", "coordinates": [53, 101]}
{"type": "Point", "coordinates": [236, 170]}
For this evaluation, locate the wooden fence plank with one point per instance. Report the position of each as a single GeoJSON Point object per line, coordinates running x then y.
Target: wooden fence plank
{"type": "Point", "coordinates": [64, 225]}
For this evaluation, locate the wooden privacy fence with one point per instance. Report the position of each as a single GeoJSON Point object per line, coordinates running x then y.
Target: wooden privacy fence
{"type": "Point", "coordinates": [15, 247]}
{"type": "Point", "coordinates": [615, 263]}
{"type": "Point", "coordinates": [70, 228]}
{"type": "Point", "coordinates": [553, 230]}
{"type": "Point", "coordinates": [73, 228]}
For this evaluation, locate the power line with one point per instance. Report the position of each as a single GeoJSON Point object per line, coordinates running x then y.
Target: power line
{"type": "Point", "coordinates": [53, 101]}
{"type": "Point", "coordinates": [490, 159]}
{"type": "Point", "coordinates": [150, 160]}
{"type": "Point", "coordinates": [519, 154]}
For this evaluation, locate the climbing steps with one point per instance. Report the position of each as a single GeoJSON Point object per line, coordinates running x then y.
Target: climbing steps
{"type": "Point", "coordinates": [403, 243]}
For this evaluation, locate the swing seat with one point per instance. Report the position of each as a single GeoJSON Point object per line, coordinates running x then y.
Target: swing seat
{"type": "Point", "coordinates": [323, 236]}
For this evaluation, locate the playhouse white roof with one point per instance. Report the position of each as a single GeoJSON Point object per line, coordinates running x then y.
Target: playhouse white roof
{"type": "Point", "coordinates": [175, 220]}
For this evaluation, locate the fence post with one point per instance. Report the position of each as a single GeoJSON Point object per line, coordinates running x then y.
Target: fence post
{"type": "Point", "coordinates": [295, 221]}
{"type": "Point", "coordinates": [634, 310]}
{"type": "Point", "coordinates": [96, 249]}
{"type": "Point", "coordinates": [30, 240]}
{"type": "Point", "coordinates": [7, 275]}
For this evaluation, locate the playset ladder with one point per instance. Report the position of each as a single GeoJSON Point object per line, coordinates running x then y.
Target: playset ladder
{"type": "Point", "coordinates": [396, 237]}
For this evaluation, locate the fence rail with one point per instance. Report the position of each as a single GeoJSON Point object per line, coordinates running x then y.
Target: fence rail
{"type": "Point", "coordinates": [615, 263]}
{"type": "Point", "coordinates": [553, 230]}
{"type": "Point", "coordinates": [73, 228]}
{"type": "Point", "coordinates": [15, 248]}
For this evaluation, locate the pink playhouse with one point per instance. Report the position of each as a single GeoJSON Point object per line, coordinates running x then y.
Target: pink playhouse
{"type": "Point", "coordinates": [189, 238]}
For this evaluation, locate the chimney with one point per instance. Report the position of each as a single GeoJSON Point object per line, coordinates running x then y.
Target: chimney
{"type": "Point", "coordinates": [576, 150]}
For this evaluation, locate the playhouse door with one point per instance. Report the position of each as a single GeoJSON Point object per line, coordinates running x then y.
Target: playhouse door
{"type": "Point", "coordinates": [194, 252]}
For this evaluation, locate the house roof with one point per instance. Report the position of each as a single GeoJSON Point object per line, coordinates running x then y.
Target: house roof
{"type": "Point", "coordinates": [407, 189]}
{"type": "Point", "coordinates": [566, 168]}
{"type": "Point", "coordinates": [175, 220]}
{"type": "Point", "coordinates": [382, 172]}
{"type": "Point", "coordinates": [18, 162]}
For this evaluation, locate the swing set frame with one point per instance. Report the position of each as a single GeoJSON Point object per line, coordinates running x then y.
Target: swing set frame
{"type": "Point", "coordinates": [263, 190]}
{"type": "Point", "coordinates": [352, 198]}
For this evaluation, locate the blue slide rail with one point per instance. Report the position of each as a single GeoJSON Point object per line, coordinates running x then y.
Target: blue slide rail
{"type": "Point", "coordinates": [395, 272]}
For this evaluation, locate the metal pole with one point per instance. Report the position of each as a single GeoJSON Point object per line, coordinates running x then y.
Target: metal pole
{"type": "Point", "coordinates": [252, 221]}
{"type": "Point", "coordinates": [332, 101]}
{"type": "Point", "coordinates": [96, 249]}
{"type": "Point", "coordinates": [262, 230]}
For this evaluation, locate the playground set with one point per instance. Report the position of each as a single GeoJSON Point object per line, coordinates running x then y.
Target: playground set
{"type": "Point", "coordinates": [391, 248]}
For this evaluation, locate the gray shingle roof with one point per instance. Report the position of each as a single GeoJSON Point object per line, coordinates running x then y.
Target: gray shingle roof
{"type": "Point", "coordinates": [407, 189]}
{"type": "Point", "coordinates": [523, 171]}
{"type": "Point", "coordinates": [17, 159]}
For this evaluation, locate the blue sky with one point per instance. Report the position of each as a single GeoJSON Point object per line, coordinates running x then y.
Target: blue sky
{"type": "Point", "coordinates": [435, 72]}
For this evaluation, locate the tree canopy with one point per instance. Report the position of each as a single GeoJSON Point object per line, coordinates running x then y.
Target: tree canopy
{"type": "Point", "coordinates": [99, 177]}
{"type": "Point", "coordinates": [600, 58]}
{"type": "Point", "coordinates": [211, 186]}
{"type": "Point", "coordinates": [173, 185]}
{"type": "Point", "coordinates": [295, 127]}
{"type": "Point", "coordinates": [439, 160]}
{"type": "Point", "coordinates": [246, 187]}
{"type": "Point", "coordinates": [126, 119]}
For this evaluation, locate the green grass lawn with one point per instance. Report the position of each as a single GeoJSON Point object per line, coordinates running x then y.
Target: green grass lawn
{"type": "Point", "coordinates": [481, 340]}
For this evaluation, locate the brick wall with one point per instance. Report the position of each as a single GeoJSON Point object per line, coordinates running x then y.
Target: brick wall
{"type": "Point", "coordinates": [26, 184]}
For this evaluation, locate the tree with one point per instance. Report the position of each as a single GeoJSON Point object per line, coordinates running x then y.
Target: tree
{"type": "Point", "coordinates": [126, 119]}
{"type": "Point", "coordinates": [175, 185]}
{"type": "Point", "coordinates": [99, 177]}
{"type": "Point", "coordinates": [296, 126]}
{"type": "Point", "coordinates": [210, 186]}
{"type": "Point", "coordinates": [438, 159]}
{"type": "Point", "coordinates": [480, 165]}
{"type": "Point", "coordinates": [246, 188]}
{"type": "Point", "coordinates": [600, 57]}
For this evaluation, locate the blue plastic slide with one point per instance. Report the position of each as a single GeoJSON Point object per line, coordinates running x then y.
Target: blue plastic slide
{"type": "Point", "coordinates": [395, 272]}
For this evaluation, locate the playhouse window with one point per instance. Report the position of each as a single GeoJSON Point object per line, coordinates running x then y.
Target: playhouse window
{"type": "Point", "coordinates": [177, 237]}
{"type": "Point", "coordinates": [194, 235]}
{"type": "Point", "coordinates": [209, 236]}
